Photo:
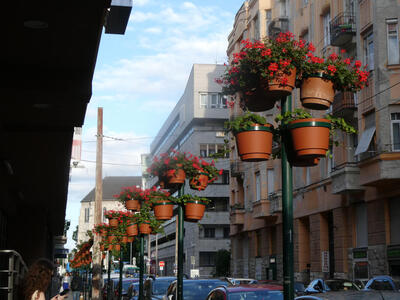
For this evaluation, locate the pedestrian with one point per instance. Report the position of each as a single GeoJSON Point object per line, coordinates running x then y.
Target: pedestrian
{"type": "Point", "coordinates": [66, 281]}
{"type": "Point", "coordinates": [76, 285]}
{"type": "Point", "coordinates": [37, 280]}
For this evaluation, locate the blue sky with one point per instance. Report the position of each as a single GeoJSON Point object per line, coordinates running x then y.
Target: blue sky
{"type": "Point", "coordinates": [140, 76]}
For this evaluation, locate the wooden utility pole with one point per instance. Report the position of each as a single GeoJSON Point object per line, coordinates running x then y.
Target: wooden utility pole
{"type": "Point", "coordinates": [98, 210]}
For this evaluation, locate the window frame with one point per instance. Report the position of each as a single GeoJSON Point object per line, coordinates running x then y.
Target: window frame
{"type": "Point", "coordinates": [210, 232]}
{"type": "Point", "coordinates": [368, 39]}
{"type": "Point", "coordinates": [396, 51]}
{"type": "Point", "coordinates": [271, 181]}
{"type": "Point", "coordinates": [87, 214]}
{"type": "Point", "coordinates": [257, 176]}
{"type": "Point", "coordinates": [326, 18]}
{"type": "Point", "coordinates": [392, 122]}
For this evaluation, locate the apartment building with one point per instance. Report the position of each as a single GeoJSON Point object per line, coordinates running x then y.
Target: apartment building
{"type": "Point", "coordinates": [112, 185]}
{"type": "Point", "coordinates": [196, 125]}
{"type": "Point", "coordinates": [346, 209]}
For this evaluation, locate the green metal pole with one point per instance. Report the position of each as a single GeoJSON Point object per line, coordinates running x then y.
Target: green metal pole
{"type": "Point", "coordinates": [120, 274]}
{"type": "Point", "coordinates": [109, 277]}
{"type": "Point", "coordinates": [287, 213]}
{"type": "Point", "coordinates": [180, 248]}
{"type": "Point", "coordinates": [141, 266]}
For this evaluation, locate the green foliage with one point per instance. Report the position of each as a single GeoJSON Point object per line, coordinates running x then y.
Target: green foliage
{"type": "Point", "coordinates": [187, 197]}
{"type": "Point", "coordinates": [222, 263]}
{"type": "Point", "coordinates": [244, 121]}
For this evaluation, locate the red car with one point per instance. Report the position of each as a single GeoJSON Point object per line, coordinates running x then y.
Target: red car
{"type": "Point", "coordinates": [247, 292]}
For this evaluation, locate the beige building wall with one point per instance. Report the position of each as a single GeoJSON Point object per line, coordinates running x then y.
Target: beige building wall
{"type": "Point", "coordinates": [344, 208]}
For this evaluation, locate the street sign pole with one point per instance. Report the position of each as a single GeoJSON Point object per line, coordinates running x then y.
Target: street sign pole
{"type": "Point", "coordinates": [287, 213]}
{"type": "Point", "coordinates": [109, 277]}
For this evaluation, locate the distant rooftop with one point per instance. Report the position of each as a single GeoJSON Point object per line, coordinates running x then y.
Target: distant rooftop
{"type": "Point", "coordinates": [112, 185]}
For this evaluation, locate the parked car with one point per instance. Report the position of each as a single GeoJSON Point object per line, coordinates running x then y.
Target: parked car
{"type": "Point", "coordinates": [361, 283]}
{"type": "Point", "coordinates": [237, 281]}
{"type": "Point", "coordinates": [382, 283]}
{"type": "Point", "coordinates": [156, 287]}
{"type": "Point", "coordinates": [194, 289]}
{"type": "Point", "coordinates": [249, 291]}
{"type": "Point", "coordinates": [352, 295]}
{"type": "Point", "coordinates": [114, 286]}
{"type": "Point", "coordinates": [126, 283]}
{"type": "Point", "coordinates": [322, 286]}
{"type": "Point", "coordinates": [298, 286]}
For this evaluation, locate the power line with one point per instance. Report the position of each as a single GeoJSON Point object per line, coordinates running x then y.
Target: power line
{"type": "Point", "coordinates": [114, 164]}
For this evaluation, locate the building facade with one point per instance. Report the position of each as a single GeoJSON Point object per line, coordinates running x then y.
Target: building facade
{"type": "Point", "coordinates": [196, 125]}
{"type": "Point", "coordinates": [346, 209]}
{"type": "Point", "coordinates": [112, 185]}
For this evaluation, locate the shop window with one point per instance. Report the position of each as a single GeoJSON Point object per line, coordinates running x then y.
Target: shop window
{"type": "Point", "coordinates": [394, 212]}
{"type": "Point", "coordinates": [392, 42]}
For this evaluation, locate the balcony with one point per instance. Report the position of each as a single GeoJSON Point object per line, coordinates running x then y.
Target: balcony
{"type": "Point", "coordinates": [366, 98]}
{"type": "Point", "coordinates": [237, 214]}
{"type": "Point", "coordinates": [262, 210]}
{"type": "Point", "coordinates": [344, 104]}
{"type": "Point", "coordinates": [275, 203]}
{"type": "Point", "coordinates": [346, 178]}
{"type": "Point", "coordinates": [342, 28]}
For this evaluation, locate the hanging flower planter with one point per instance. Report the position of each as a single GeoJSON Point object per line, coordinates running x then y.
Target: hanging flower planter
{"type": "Point", "coordinates": [194, 210]}
{"type": "Point", "coordinates": [176, 176]}
{"type": "Point", "coordinates": [132, 230]}
{"type": "Point", "coordinates": [113, 222]}
{"type": "Point", "coordinates": [317, 92]}
{"type": "Point", "coordinates": [130, 239]}
{"type": "Point", "coordinates": [132, 204]}
{"type": "Point", "coordinates": [163, 209]}
{"type": "Point", "coordinates": [255, 142]}
{"type": "Point", "coordinates": [110, 247]}
{"type": "Point", "coordinates": [310, 137]}
{"type": "Point", "coordinates": [111, 238]}
{"type": "Point", "coordinates": [145, 228]}
{"type": "Point", "coordinates": [282, 84]}
{"type": "Point", "coordinates": [117, 247]}
{"type": "Point", "coordinates": [124, 239]}
{"type": "Point", "coordinates": [199, 182]}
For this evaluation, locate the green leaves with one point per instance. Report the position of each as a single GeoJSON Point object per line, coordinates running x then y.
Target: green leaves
{"type": "Point", "coordinates": [244, 121]}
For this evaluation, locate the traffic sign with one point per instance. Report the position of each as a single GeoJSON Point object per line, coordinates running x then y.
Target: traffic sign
{"type": "Point", "coordinates": [161, 263]}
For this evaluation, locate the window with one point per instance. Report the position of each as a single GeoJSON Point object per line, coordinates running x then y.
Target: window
{"type": "Point", "coordinates": [218, 204]}
{"type": "Point", "coordinates": [207, 259]}
{"type": "Point", "coordinates": [206, 150]}
{"type": "Point", "coordinates": [104, 214]}
{"type": "Point", "coordinates": [226, 232]}
{"type": "Point", "coordinates": [327, 35]}
{"type": "Point", "coordinates": [361, 225]}
{"type": "Point", "coordinates": [394, 211]}
{"type": "Point", "coordinates": [369, 51]}
{"type": "Point", "coordinates": [209, 232]}
{"type": "Point", "coordinates": [258, 243]}
{"type": "Point", "coordinates": [256, 24]}
{"type": "Point", "coordinates": [268, 19]}
{"type": "Point", "coordinates": [366, 143]}
{"type": "Point", "coordinates": [271, 183]}
{"type": "Point", "coordinates": [395, 120]}
{"type": "Point", "coordinates": [212, 100]}
{"type": "Point", "coordinates": [87, 213]}
{"type": "Point", "coordinates": [305, 2]}
{"type": "Point", "coordinates": [392, 42]}
{"type": "Point", "coordinates": [258, 186]}
{"type": "Point", "coordinates": [222, 179]}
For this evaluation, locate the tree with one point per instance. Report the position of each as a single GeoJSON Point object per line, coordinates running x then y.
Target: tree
{"type": "Point", "coordinates": [222, 262]}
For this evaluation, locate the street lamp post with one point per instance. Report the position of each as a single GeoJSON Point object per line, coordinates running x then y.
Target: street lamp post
{"type": "Point", "coordinates": [141, 266]}
{"type": "Point", "coordinates": [287, 213]}
{"type": "Point", "coordinates": [181, 223]}
{"type": "Point", "coordinates": [109, 277]}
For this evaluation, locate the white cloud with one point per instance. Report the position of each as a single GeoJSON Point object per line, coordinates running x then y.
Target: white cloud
{"type": "Point", "coordinates": [155, 30]}
{"type": "Point", "coordinates": [141, 2]}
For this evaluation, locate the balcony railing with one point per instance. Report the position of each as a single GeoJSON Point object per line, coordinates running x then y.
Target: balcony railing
{"type": "Point", "coordinates": [343, 28]}
{"type": "Point", "coordinates": [367, 102]}
{"type": "Point", "coordinates": [344, 102]}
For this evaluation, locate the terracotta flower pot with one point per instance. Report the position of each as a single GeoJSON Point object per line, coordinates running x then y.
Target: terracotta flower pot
{"type": "Point", "coordinates": [103, 233]}
{"type": "Point", "coordinates": [117, 247]}
{"type": "Point", "coordinates": [317, 92]}
{"type": "Point", "coordinates": [145, 228]}
{"type": "Point", "coordinates": [176, 176]}
{"type": "Point", "coordinates": [305, 162]}
{"type": "Point", "coordinates": [111, 238]}
{"type": "Point", "coordinates": [265, 95]}
{"type": "Point", "coordinates": [124, 239]}
{"type": "Point", "coordinates": [113, 222]}
{"type": "Point", "coordinates": [199, 182]}
{"type": "Point", "coordinates": [163, 209]}
{"type": "Point", "coordinates": [255, 143]}
{"type": "Point", "coordinates": [132, 230]}
{"type": "Point", "coordinates": [277, 89]}
{"type": "Point", "coordinates": [132, 204]}
{"type": "Point", "coordinates": [194, 210]}
{"type": "Point", "coordinates": [110, 247]}
{"type": "Point", "coordinates": [130, 239]}
{"type": "Point", "coordinates": [310, 137]}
